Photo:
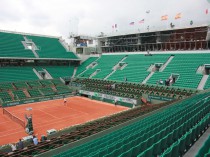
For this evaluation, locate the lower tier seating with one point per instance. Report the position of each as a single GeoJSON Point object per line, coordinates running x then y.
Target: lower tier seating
{"type": "Point", "coordinates": [170, 131]}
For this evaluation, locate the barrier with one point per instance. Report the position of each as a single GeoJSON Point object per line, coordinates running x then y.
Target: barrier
{"type": "Point", "coordinates": [159, 98]}
{"type": "Point", "coordinates": [15, 103]}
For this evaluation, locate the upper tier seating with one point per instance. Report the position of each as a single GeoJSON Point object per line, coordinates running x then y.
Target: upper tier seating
{"type": "Point", "coordinates": [11, 46]}
{"type": "Point", "coordinates": [51, 48]}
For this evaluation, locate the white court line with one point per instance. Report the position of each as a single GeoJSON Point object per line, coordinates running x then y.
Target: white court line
{"type": "Point", "coordinates": [47, 113]}
{"type": "Point", "coordinates": [13, 133]}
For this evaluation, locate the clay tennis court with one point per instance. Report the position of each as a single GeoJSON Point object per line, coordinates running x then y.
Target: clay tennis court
{"type": "Point", "coordinates": [53, 114]}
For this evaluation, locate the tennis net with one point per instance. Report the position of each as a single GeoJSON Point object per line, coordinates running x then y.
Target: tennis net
{"type": "Point", "coordinates": [14, 118]}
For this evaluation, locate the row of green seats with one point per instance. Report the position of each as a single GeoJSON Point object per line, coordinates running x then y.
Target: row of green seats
{"type": "Point", "coordinates": [147, 130]}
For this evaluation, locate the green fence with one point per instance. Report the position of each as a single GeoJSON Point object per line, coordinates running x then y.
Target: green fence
{"type": "Point", "coordinates": [15, 103]}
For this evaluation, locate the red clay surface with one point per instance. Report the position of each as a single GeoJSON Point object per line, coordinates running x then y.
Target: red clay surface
{"type": "Point", "coordinates": [53, 115]}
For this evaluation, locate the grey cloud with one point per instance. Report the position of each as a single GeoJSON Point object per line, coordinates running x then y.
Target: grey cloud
{"type": "Point", "coordinates": [95, 16]}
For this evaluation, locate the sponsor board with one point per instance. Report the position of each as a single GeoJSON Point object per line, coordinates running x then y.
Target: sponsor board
{"type": "Point", "coordinates": [110, 97]}
{"type": "Point", "coordinates": [159, 98]}
{"type": "Point", "coordinates": [34, 100]}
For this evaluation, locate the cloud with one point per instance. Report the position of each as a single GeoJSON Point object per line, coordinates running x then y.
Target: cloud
{"type": "Point", "coordinates": [92, 17]}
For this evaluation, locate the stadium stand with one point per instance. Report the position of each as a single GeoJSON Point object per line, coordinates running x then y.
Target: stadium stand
{"type": "Point", "coordinates": [34, 93]}
{"type": "Point", "coordinates": [83, 66]}
{"type": "Point", "coordinates": [20, 85]}
{"type": "Point", "coordinates": [6, 86]}
{"type": "Point", "coordinates": [11, 46]}
{"type": "Point", "coordinates": [21, 74]}
{"type": "Point", "coordinates": [171, 131]}
{"type": "Point", "coordinates": [19, 95]}
{"type": "Point", "coordinates": [47, 91]}
{"type": "Point", "coordinates": [4, 96]}
{"type": "Point", "coordinates": [50, 48]}
{"type": "Point", "coordinates": [136, 70]}
{"type": "Point", "coordinates": [63, 89]}
{"type": "Point", "coordinates": [57, 82]}
{"type": "Point", "coordinates": [207, 85]}
{"type": "Point", "coordinates": [34, 84]}
{"type": "Point", "coordinates": [185, 65]}
{"type": "Point", "coordinates": [60, 71]}
{"type": "Point", "coordinates": [133, 90]}
{"type": "Point", "coordinates": [46, 83]}
{"type": "Point", "coordinates": [105, 64]}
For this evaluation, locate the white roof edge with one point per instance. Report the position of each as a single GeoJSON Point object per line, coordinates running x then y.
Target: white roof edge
{"type": "Point", "coordinates": [37, 58]}
{"type": "Point", "coordinates": [33, 34]}
{"type": "Point", "coordinates": [159, 52]}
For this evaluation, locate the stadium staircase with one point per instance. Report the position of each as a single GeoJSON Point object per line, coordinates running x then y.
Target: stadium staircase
{"type": "Point", "coordinates": [26, 93]}
{"type": "Point", "coordinates": [50, 47]}
{"type": "Point", "coordinates": [148, 77]}
{"type": "Point", "coordinates": [85, 65]}
{"type": "Point", "coordinates": [115, 68]}
{"type": "Point", "coordinates": [109, 75]}
{"type": "Point", "coordinates": [166, 63]}
{"type": "Point", "coordinates": [74, 73]}
{"type": "Point", "coordinates": [89, 69]}
{"type": "Point", "coordinates": [64, 44]}
{"type": "Point", "coordinates": [203, 82]}
{"type": "Point", "coordinates": [32, 44]}
{"type": "Point", "coordinates": [106, 63]}
{"type": "Point", "coordinates": [11, 94]}
{"type": "Point", "coordinates": [47, 74]}
{"type": "Point", "coordinates": [37, 73]}
{"type": "Point", "coordinates": [160, 70]}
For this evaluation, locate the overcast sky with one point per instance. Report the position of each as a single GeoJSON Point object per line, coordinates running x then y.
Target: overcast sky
{"type": "Point", "coordinates": [90, 17]}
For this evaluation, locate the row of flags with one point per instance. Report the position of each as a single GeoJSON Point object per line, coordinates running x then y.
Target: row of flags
{"type": "Point", "coordinates": [131, 23]}
{"type": "Point", "coordinates": [164, 17]}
